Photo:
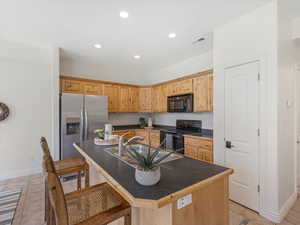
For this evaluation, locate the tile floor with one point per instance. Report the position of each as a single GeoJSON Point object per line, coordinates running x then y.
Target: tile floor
{"type": "Point", "coordinates": [30, 210]}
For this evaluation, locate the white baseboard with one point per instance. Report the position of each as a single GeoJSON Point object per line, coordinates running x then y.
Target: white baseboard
{"type": "Point", "coordinates": [20, 173]}
{"type": "Point", "coordinates": [277, 217]}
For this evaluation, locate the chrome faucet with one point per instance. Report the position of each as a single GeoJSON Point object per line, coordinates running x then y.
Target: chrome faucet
{"type": "Point", "coordinates": [123, 144]}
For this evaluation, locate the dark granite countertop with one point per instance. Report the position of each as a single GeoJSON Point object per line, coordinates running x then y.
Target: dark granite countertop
{"type": "Point", "coordinates": [204, 133]}
{"type": "Point", "coordinates": [175, 175]}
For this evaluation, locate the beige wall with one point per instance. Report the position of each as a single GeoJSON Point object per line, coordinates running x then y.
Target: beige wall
{"type": "Point", "coordinates": [29, 84]}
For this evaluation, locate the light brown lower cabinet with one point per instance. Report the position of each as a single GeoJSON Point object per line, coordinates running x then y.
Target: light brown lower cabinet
{"type": "Point", "coordinates": [112, 91]}
{"type": "Point", "coordinates": [151, 137]}
{"type": "Point", "coordinates": [154, 138]}
{"type": "Point", "coordinates": [142, 133]}
{"type": "Point", "coordinates": [198, 148]}
{"type": "Point", "coordinates": [130, 133]}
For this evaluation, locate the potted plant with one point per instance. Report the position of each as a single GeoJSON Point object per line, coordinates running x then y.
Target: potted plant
{"type": "Point", "coordinates": [100, 133]}
{"type": "Point", "coordinates": [147, 172]}
{"type": "Point", "coordinates": [142, 122]}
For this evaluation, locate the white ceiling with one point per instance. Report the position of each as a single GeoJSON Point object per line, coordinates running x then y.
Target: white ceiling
{"type": "Point", "coordinates": [76, 25]}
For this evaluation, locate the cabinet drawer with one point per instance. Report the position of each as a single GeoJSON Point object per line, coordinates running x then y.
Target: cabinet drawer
{"type": "Point", "coordinates": [201, 143]}
{"type": "Point", "coordinates": [131, 133]}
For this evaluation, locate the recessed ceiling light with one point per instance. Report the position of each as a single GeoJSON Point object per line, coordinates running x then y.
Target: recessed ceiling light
{"type": "Point", "coordinates": [172, 35]}
{"type": "Point", "coordinates": [137, 56]}
{"type": "Point", "coordinates": [124, 14]}
{"type": "Point", "coordinates": [97, 46]}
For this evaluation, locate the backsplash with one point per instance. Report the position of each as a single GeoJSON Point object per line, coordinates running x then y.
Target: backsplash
{"type": "Point", "coordinates": [168, 119]}
{"type": "Point", "coordinates": [125, 118]}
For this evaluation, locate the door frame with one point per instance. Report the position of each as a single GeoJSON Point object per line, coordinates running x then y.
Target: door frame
{"type": "Point", "coordinates": [268, 177]}
{"type": "Point", "coordinates": [259, 125]}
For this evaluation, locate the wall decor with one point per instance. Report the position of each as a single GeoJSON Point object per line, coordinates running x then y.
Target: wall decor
{"type": "Point", "coordinates": [4, 111]}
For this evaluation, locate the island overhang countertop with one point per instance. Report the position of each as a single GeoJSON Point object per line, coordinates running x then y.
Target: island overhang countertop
{"type": "Point", "coordinates": [178, 178]}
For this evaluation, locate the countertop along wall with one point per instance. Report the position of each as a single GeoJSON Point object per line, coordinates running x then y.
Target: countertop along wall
{"type": "Point", "coordinates": [29, 86]}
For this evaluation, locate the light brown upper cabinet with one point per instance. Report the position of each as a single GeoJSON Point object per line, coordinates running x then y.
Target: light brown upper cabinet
{"type": "Point", "coordinates": [124, 99]}
{"type": "Point", "coordinates": [159, 98]}
{"type": "Point", "coordinates": [90, 88]}
{"type": "Point", "coordinates": [71, 86]}
{"type": "Point", "coordinates": [156, 104]}
{"type": "Point", "coordinates": [164, 98]}
{"type": "Point", "coordinates": [180, 87]}
{"type": "Point", "coordinates": [203, 91]}
{"type": "Point", "coordinates": [112, 91]}
{"type": "Point", "coordinates": [130, 98]}
{"type": "Point", "coordinates": [134, 99]}
{"type": "Point", "coordinates": [145, 98]}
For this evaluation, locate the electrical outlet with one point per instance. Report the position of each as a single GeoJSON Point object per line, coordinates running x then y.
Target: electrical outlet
{"type": "Point", "coordinates": [184, 201]}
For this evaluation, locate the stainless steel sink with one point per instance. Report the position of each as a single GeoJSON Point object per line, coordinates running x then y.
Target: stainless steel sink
{"type": "Point", "coordinates": [142, 149]}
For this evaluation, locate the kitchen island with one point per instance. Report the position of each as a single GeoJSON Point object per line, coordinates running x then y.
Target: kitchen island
{"type": "Point", "coordinates": [205, 184]}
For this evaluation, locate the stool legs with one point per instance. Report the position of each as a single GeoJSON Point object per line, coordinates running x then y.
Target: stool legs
{"type": "Point", "coordinates": [87, 176]}
{"type": "Point", "coordinates": [127, 219]}
{"type": "Point", "coordinates": [78, 180]}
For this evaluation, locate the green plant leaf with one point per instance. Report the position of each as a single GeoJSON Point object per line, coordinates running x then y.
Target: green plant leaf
{"type": "Point", "coordinates": [154, 154]}
{"type": "Point", "coordinates": [162, 158]}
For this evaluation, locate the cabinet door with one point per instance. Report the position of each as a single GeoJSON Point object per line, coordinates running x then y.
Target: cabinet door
{"type": "Point", "coordinates": [198, 148]}
{"type": "Point", "coordinates": [155, 99]}
{"type": "Point", "coordinates": [145, 100]}
{"type": "Point", "coordinates": [163, 98]}
{"type": "Point", "coordinates": [184, 87]}
{"type": "Point", "coordinates": [125, 100]}
{"type": "Point", "coordinates": [112, 91]}
{"type": "Point", "coordinates": [134, 99]}
{"type": "Point", "coordinates": [143, 133]}
{"type": "Point", "coordinates": [201, 94]}
{"type": "Point", "coordinates": [130, 133]}
{"type": "Point", "coordinates": [210, 92]}
{"type": "Point", "coordinates": [154, 138]}
{"type": "Point", "coordinates": [92, 88]}
{"type": "Point", "coordinates": [159, 98]}
{"type": "Point", "coordinates": [171, 89]}
{"type": "Point", "coordinates": [72, 86]}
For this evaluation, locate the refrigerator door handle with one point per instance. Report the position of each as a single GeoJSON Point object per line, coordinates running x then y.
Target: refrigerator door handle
{"type": "Point", "coordinates": [85, 125]}
{"type": "Point", "coordinates": [81, 125]}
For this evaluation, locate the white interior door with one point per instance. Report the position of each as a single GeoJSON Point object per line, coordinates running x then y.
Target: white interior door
{"type": "Point", "coordinates": [241, 132]}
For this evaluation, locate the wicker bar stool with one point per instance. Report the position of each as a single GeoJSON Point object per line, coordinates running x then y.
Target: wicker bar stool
{"type": "Point", "coordinates": [69, 165]}
{"type": "Point", "coordinates": [95, 205]}
{"type": "Point", "coordinates": [63, 167]}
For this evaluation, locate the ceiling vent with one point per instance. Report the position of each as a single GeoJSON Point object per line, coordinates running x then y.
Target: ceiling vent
{"type": "Point", "coordinates": [199, 40]}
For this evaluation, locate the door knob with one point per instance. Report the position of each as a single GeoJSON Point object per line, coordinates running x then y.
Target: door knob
{"type": "Point", "coordinates": [229, 145]}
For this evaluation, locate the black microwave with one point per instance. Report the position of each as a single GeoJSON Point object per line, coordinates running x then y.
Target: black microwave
{"type": "Point", "coordinates": [180, 103]}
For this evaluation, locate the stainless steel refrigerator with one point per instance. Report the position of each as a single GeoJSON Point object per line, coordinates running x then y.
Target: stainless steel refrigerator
{"type": "Point", "coordinates": [80, 115]}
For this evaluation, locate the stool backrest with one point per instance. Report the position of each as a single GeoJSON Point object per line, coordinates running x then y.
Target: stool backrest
{"type": "Point", "coordinates": [57, 199]}
{"type": "Point", "coordinates": [48, 164]}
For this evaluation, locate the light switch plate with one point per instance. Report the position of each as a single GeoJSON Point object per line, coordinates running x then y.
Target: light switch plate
{"type": "Point", "coordinates": [184, 201]}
